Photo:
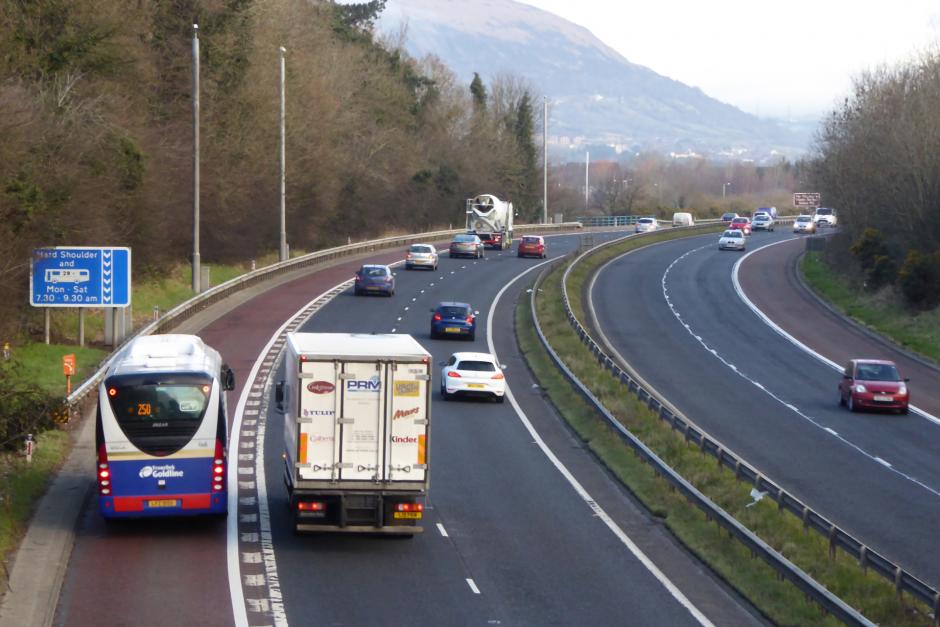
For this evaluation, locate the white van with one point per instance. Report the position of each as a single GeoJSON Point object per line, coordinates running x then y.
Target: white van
{"type": "Point", "coordinates": [682, 219]}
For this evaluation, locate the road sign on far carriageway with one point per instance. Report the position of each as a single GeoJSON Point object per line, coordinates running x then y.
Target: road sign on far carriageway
{"type": "Point", "coordinates": [80, 276]}
{"type": "Point", "coordinates": [806, 199]}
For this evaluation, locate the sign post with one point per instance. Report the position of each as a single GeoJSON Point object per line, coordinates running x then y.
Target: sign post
{"type": "Point", "coordinates": [29, 448]}
{"type": "Point", "coordinates": [68, 368]}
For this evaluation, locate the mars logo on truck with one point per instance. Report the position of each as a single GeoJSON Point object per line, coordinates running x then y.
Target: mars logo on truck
{"type": "Point", "coordinates": [321, 387]}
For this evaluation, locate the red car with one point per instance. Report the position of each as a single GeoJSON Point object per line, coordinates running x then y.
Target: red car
{"type": "Point", "coordinates": [742, 224]}
{"type": "Point", "coordinates": [532, 246]}
{"type": "Point", "coordinates": [873, 384]}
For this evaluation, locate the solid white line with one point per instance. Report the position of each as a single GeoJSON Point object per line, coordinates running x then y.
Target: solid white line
{"type": "Point", "coordinates": [597, 510]}
{"type": "Point", "coordinates": [883, 462]}
{"type": "Point", "coordinates": [773, 325]}
{"type": "Point", "coordinates": [473, 586]}
{"type": "Point", "coordinates": [234, 567]}
{"type": "Point", "coordinates": [443, 531]}
{"type": "Point", "coordinates": [831, 431]}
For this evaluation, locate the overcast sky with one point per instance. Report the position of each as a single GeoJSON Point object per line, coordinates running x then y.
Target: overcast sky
{"type": "Point", "coordinates": [767, 58]}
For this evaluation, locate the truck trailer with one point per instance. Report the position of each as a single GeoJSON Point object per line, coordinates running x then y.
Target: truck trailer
{"type": "Point", "coordinates": [356, 431]}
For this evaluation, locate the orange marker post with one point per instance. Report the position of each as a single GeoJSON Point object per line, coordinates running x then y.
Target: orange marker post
{"type": "Point", "coordinates": [68, 368]}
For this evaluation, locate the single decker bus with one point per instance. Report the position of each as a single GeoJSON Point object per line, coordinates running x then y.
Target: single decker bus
{"type": "Point", "coordinates": [161, 429]}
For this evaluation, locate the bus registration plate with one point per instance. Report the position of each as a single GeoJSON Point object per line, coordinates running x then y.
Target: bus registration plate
{"type": "Point", "coordinates": [163, 503]}
{"type": "Point", "coordinates": [412, 515]}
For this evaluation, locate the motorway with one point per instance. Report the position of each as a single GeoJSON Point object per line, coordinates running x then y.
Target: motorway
{"type": "Point", "coordinates": [771, 402]}
{"type": "Point", "coordinates": [512, 535]}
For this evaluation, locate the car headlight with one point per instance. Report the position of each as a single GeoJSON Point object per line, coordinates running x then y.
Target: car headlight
{"type": "Point", "coordinates": [860, 389]}
{"type": "Point", "coordinates": [902, 390]}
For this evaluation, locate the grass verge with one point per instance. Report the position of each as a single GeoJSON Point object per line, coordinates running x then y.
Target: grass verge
{"type": "Point", "coordinates": [780, 601]}
{"type": "Point", "coordinates": [22, 484]}
{"type": "Point", "coordinates": [917, 332]}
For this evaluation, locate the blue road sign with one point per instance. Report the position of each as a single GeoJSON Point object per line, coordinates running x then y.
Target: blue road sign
{"type": "Point", "coordinates": [80, 276]}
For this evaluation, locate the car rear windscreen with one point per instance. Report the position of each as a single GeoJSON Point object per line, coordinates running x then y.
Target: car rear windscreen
{"type": "Point", "coordinates": [420, 249]}
{"type": "Point", "coordinates": [530, 240]}
{"type": "Point", "coordinates": [476, 366]}
{"type": "Point", "coordinates": [454, 312]}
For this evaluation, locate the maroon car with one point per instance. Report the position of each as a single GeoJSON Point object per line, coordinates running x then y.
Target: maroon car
{"type": "Point", "coordinates": [532, 246]}
{"type": "Point", "coordinates": [873, 384]}
{"type": "Point", "coordinates": [742, 224]}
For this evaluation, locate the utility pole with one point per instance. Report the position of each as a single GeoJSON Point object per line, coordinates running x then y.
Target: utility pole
{"type": "Point", "coordinates": [283, 246]}
{"type": "Point", "coordinates": [587, 184]}
{"type": "Point", "coordinates": [544, 160]}
{"type": "Point", "coordinates": [196, 269]}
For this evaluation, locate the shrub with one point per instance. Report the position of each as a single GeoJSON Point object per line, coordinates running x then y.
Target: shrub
{"type": "Point", "coordinates": [883, 272]}
{"type": "Point", "coordinates": [24, 407]}
{"type": "Point", "coordinates": [919, 279]}
{"type": "Point", "coordinates": [868, 248]}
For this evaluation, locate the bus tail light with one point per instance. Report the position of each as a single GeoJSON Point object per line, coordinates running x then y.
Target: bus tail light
{"type": "Point", "coordinates": [103, 473]}
{"type": "Point", "coordinates": [218, 468]}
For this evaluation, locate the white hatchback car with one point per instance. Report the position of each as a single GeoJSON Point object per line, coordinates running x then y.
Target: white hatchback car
{"type": "Point", "coordinates": [762, 222]}
{"type": "Point", "coordinates": [646, 224]}
{"type": "Point", "coordinates": [732, 239]}
{"type": "Point", "coordinates": [473, 374]}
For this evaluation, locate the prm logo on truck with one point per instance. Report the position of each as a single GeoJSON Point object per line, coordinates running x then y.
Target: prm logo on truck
{"type": "Point", "coordinates": [373, 384]}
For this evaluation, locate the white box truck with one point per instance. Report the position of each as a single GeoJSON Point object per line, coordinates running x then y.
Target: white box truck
{"type": "Point", "coordinates": [357, 412]}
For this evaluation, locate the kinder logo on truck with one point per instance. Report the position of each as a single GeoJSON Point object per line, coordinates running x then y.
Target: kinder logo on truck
{"type": "Point", "coordinates": [321, 387]}
{"type": "Point", "coordinates": [362, 385]}
{"type": "Point", "coordinates": [407, 388]}
{"type": "Point", "coordinates": [404, 439]}
{"type": "Point", "coordinates": [403, 413]}
{"type": "Point", "coordinates": [166, 471]}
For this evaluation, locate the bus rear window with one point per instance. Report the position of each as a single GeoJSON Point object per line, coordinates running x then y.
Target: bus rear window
{"type": "Point", "coordinates": [164, 403]}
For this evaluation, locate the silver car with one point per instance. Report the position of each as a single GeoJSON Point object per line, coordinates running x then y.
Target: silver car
{"type": "Point", "coordinates": [762, 222]}
{"type": "Point", "coordinates": [421, 256]}
{"type": "Point", "coordinates": [732, 239]}
{"type": "Point", "coordinates": [804, 224]}
{"type": "Point", "coordinates": [646, 224]}
{"type": "Point", "coordinates": [466, 245]}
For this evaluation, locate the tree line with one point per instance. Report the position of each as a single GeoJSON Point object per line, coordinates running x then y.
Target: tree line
{"type": "Point", "coordinates": [877, 161]}
{"type": "Point", "coordinates": [96, 120]}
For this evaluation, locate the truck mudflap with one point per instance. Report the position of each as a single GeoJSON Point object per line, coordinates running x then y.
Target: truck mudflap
{"type": "Point", "coordinates": [358, 513]}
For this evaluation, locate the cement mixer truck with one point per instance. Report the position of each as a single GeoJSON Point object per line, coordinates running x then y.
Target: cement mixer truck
{"type": "Point", "coordinates": [491, 220]}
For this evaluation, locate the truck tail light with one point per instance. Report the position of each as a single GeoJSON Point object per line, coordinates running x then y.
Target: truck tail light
{"type": "Point", "coordinates": [409, 507]}
{"type": "Point", "coordinates": [218, 467]}
{"type": "Point", "coordinates": [310, 506]}
{"type": "Point", "coordinates": [104, 472]}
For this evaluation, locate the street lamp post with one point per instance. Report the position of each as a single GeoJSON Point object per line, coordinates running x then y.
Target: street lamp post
{"type": "Point", "coordinates": [723, 187]}
{"type": "Point", "coordinates": [283, 247]}
{"type": "Point", "coordinates": [196, 269]}
{"type": "Point", "coordinates": [545, 160]}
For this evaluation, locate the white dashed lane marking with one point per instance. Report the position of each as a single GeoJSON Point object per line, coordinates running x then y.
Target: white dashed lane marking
{"type": "Point", "coordinates": [473, 586]}
{"type": "Point", "coordinates": [443, 531]}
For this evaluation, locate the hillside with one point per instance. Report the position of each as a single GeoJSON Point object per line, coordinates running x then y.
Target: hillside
{"type": "Point", "coordinates": [596, 92]}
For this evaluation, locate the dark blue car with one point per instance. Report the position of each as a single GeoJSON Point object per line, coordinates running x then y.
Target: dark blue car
{"type": "Point", "coordinates": [375, 279]}
{"type": "Point", "coordinates": [453, 320]}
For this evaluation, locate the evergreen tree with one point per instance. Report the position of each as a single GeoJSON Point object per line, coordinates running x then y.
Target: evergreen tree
{"type": "Point", "coordinates": [478, 91]}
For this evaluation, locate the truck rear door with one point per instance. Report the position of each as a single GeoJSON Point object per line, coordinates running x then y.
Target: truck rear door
{"type": "Point", "coordinates": [317, 440]}
{"type": "Point", "coordinates": [406, 459]}
{"type": "Point", "coordinates": [362, 423]}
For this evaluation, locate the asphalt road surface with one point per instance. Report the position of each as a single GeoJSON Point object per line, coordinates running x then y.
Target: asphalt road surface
{"type": "Point", "coordinates": [508, 540]}
{"type": "Point", "coordinates": [673, 313]}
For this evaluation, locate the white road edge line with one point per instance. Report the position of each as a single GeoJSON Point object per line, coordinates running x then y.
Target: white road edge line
{"type": "Point", "coordinates": [773, 325]}
{"type": "Point", "coordinates": [234, 568]}
{"type": "Point", "coordinates": [585, 496]}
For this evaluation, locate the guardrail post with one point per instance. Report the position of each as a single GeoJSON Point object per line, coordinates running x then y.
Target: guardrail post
{"type": "Point", "coordinates": [898, 580]}
{"type": "Point", "coordinates": [805, 518]}
{"type": "Point", "coordinates": [863, 558]}
{"type": "Point", "coordinates": [832, 541]}
{"type": "Point", "coordinates": [936, 608]}
{"type": "Point", "coordinates": [780, 494]}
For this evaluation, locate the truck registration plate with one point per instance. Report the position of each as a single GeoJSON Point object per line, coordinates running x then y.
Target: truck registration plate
{"type": "Point", "coordinates": [409, 515]}
{"type": "Point", "coordinates": [163, 503]}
